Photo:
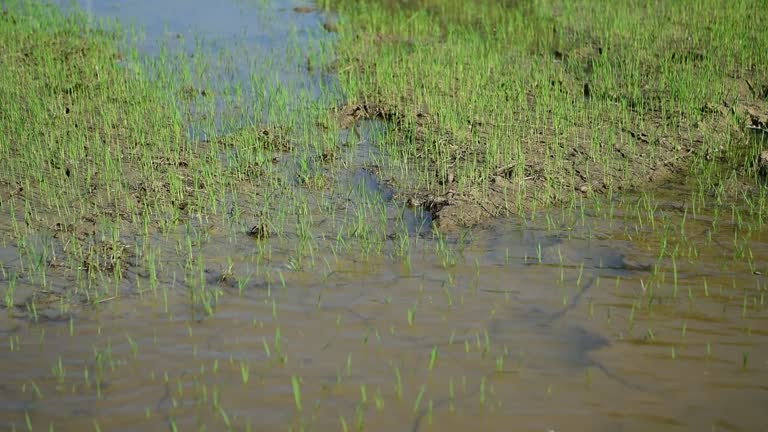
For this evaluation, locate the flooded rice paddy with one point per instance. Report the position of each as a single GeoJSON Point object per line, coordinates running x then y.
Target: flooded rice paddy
{"type": "Point", "coordinates": [545, 329]}
{"type": "Point", "coordinates": [636, 313]}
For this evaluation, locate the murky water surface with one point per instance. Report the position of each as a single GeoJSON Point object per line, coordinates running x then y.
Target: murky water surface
{"type": "Point", "coordinates": [517, 325]}
{"type": "Point", "coordinates": [547, 329]}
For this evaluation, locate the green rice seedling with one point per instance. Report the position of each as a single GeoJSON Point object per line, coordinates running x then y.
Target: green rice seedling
{"type": "Point", "coordinates": [411, 315]}
{"type": "Point", "coordinates": [360, 418]}
{"type": "Point", "coordinates": [58, 371]}
{"type": "Point", "coordinates": [134, 346]}
{"type": "Point", "coordinates": [36, 390]}
{"type": "Point", "coordinates": [244, 372]}
{"type": "Point", "coordinates": [398, 383]}
{"type": "Point", "coordinates": [433, 358]}
{"type": "Point", "coordinates": [379, 400]}
{"type": "Point", "coordinates": [295, 384]}
{"type": "Point", "coordinates": [419, 396]}
{"type": "Point", "coordinates": [10, 291]}
{"type": "Point", "coordinates": [225, 418]}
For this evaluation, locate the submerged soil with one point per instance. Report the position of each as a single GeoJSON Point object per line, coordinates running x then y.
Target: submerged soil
{"type": "Point", "coordinates": [578, 329]}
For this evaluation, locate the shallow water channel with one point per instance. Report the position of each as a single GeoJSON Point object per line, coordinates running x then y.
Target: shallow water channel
{"type": "Point", "coordinates": [554, 324]}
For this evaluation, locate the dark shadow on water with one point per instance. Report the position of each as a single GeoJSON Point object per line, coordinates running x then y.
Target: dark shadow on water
{"type": "Point", "coordinates": [366, 184]}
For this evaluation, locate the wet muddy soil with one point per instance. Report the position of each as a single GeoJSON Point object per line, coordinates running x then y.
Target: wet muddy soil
{"type": "Point", "coordinates": [528, 323]}
{"type": "Point", "coordinates": [587, 116]}
{"type": "Point", "coordinates": [631, 168]}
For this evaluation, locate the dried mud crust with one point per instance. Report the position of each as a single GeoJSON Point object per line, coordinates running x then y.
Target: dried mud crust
{"type": "Point", "coordinates": [580, 173]}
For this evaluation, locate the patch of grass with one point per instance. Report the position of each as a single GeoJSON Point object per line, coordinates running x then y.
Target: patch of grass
{"type": "Point", "coordinates": [505, 107]}
{"type": "Point", "coordinates": [82, 123]}
{"type": "Point", "coordinates": [107, 157]}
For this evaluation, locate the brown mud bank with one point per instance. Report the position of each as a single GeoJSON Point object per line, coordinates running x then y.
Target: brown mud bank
{"type": "Point", "coordinates": [511, 107]}
{"type": "Point", "coordinates": [645, 157]}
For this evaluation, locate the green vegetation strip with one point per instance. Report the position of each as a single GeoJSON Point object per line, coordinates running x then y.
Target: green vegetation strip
{"type": "Point", "coordinates": [505, 107]}
{"type": "Point", "coordinates": [93, 132]}
{"type": "Point", "coordinates": [96, 159]}
{"type": "Point", "coordinates": [491, 108]}
{"type": "Point", "coordinates": [83, 126]}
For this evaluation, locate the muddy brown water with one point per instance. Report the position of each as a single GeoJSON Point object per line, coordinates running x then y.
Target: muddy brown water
{"type": "Point", "coordinates": [532, 329]}
{"type": "Point", "coordinates": [514, 325]}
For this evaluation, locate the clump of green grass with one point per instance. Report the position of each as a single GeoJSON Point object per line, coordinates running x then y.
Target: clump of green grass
{"type": "Point", "coordinates": [112, 157]}
{"type": "Point", "coordinates": [520, 105]}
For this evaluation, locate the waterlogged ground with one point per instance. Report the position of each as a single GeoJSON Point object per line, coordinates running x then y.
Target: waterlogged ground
{"type": "Point", "coordinates": [576, 327]}
{"type": "Point", "coordinates": [327, 301]}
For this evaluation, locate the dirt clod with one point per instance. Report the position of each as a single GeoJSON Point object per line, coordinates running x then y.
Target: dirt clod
{"type": "Point", "coordinates": [762, 163]}
{"type": "Point", "coordinates": [260, 231]}
{"type": "Point", "coordinates": [304, 9]}
{"type": "Point", "coordinates": [758, 118]}
{"type": "Point", "coordinates": [331, 26]}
